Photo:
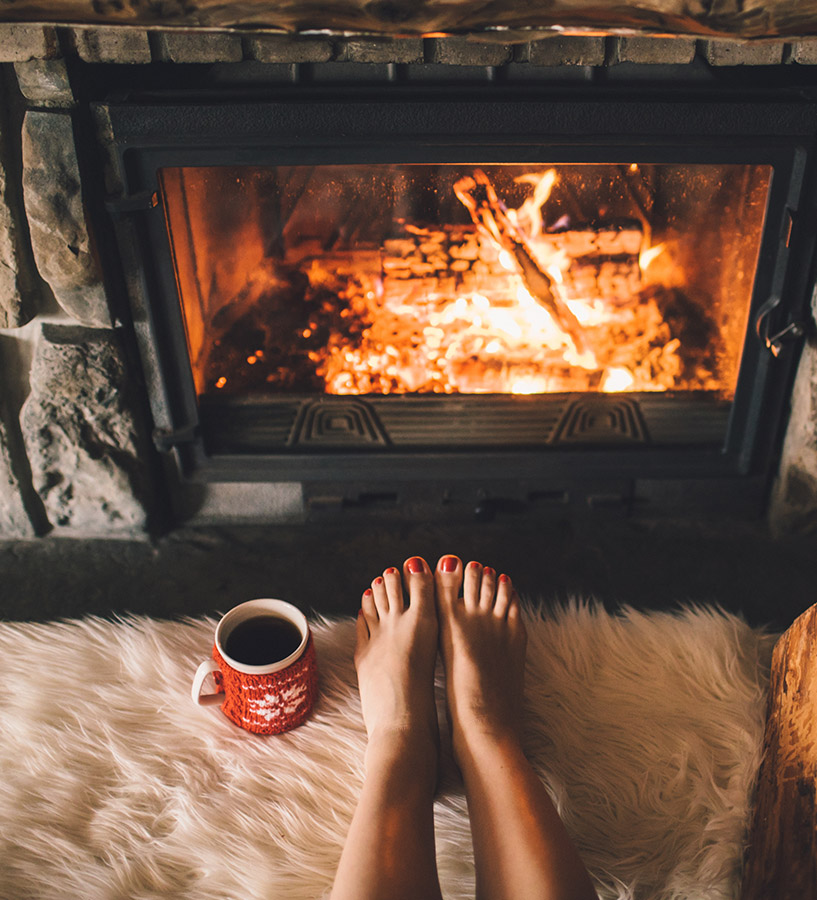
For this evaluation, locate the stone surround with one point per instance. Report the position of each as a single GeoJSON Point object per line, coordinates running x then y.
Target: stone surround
{"type": "Point", "coordinates": [75, 458]}
{"type": "Point", "coordinates": [22, 43]}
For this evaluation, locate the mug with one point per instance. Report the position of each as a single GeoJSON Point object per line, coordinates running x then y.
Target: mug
{"type": "Point", "coordinates": [263, 666]}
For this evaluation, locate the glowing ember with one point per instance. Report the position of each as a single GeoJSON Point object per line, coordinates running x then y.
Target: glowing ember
{"type": "Point", "coordinates": [616, 379]}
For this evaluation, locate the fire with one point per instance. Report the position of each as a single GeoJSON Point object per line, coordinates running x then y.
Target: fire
{"type": "Point", "coordinates": [616, 379]}
{"type": "Point", "coordinates": [521, 334]}
{"type": "Point", "coordinates": [529, 215]}
{"type": "Point", "coordinates": [521, 300]}
{"type": "Point", "coordinates": [648, 255]}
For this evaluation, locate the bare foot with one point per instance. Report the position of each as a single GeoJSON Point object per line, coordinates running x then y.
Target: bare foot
{"type": "Point", "coordinates": [395, 657]}
{"type": "Point", "coordinates": [482, 640]}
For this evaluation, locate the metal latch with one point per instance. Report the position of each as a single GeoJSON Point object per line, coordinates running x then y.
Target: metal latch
{"type": "Point", "coordinates": [776, 343]}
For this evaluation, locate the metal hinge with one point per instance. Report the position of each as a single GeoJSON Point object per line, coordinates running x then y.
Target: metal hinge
{"type": "Point", "coordinates": [139, 202]}
{"type": "Point", "coordinates": [165, 439]}
{"type": "Point", "coordinates": [781, 340]}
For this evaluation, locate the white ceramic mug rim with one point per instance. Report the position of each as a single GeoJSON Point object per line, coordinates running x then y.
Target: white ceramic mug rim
{"type": "Point", "coordinates": [251, 608]}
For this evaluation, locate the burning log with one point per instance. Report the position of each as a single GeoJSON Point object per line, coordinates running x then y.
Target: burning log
{"type": "Point", "coordinates": [490, 215]}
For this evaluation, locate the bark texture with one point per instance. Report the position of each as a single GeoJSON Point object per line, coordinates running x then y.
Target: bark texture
{"type": "Point", "coordinates": [727, 18]}
{"type": "Point", "coordinates": [782, 857]}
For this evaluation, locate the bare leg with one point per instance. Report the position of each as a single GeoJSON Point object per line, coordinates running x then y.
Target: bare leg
{"type": "Point", "coordinates": [521, 848]}
{"type": "Point", "coordinates": [389, 851]}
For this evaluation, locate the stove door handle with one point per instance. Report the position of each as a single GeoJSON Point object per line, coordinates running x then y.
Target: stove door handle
{"type": "Point", "coordinates": [778, 342]}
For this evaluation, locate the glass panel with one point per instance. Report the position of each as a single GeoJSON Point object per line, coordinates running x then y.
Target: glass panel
{"type": "Point", "coordinates": [454, 278]}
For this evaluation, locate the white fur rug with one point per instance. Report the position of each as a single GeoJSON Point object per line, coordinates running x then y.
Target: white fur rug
{"type": "Point", "coordinates": [647, 728]}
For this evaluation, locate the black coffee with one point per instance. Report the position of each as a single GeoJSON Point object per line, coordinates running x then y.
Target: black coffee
{"type": "Point", "coordinates": [262, 640]}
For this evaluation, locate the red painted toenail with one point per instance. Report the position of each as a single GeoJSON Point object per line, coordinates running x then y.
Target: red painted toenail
{"type": "Point", "coordinates": [415, 565]}
{"type": "Point", "coordinates": [504, 579]}
{"type": "Point", "coordinates": [378, 580]}
{"type": "Point", "coordinates": [488, 571]}
{"type": "Point", "coordinates": [449, 564]}
{"type": "Point", "coordinates": [474, 564]}
{"type": "Point", "coordinates": [390, 571]}
{"type": "Point", "coordinates": [367, 593]}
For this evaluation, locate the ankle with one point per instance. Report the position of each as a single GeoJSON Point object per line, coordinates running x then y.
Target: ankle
{"type": "Point", "coordinates": [402, 745]}
{"type": "Point", "coordinates": [484, 747]}
{"type": "Point", "coordinates": [402, 767]}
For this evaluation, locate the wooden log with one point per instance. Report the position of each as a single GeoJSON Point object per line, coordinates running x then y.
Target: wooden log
{"type": "Point", "coordinates": [781, 862]}
{"type": "Point", "coordinates": [775, 18]}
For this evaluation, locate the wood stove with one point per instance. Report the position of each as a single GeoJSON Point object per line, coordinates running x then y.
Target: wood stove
{"type": "Point", "coordinates": [422, 286]}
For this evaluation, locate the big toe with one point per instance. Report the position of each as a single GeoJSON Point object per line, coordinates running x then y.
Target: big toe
{"type": "Point", "coordinates": [448, 579]}
{"type": "Point", "coordinates": [420, 585]}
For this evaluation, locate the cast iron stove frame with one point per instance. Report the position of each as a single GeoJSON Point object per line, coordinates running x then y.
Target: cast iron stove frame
{"type": "Point", "coordinates": [310, 127]}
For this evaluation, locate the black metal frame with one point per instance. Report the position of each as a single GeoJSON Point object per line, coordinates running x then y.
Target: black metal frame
{"type": "Point", "coordinates": [397, 126]}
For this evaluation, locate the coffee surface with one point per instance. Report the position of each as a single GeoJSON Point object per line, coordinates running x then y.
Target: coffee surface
{"type": "Point", "coordinates": [262, 640]}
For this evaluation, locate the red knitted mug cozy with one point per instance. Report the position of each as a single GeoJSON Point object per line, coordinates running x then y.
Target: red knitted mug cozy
{"type": "Point", "coordinates": [270, 703]}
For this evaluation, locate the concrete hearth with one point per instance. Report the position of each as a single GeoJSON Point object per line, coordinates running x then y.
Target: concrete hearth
{"type": "Point", "coordinates": [324, 567]}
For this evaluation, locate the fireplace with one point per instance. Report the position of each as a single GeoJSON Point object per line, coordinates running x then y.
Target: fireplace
{"type": "Point", "coordinates": [411, 286]}
{"type": "Point", "coordinates": [550, 275]}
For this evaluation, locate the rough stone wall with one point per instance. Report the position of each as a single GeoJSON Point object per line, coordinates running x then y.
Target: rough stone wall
{"type": "Point", "coordinates": [73, 454]}
{"type": "Point", "coordinates": [82, 438]}
{"type": "Point", "coordinates": [73, 450]}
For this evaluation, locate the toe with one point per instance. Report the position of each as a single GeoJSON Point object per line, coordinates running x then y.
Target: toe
{"type": "Point", "coordinates": [381, 597]}
{"type": "Point", "coordinates": [367, 606]}
{"type": "Point", "coordinates": [361, 632]}
{"type": "Point", "coordinates": [471, 585]}
{"type": "Point", "coordinates": [487, 590]}
{"type": "Point", "coordinates": [394, 589]}
{"type": "Point", "coordinates": [448, 580]}
{"type": "Point", "coordinates": [516, 622]}
{"type": "Point", "coordinates": [504, 596]}
{"type": "Point", "coordinates": [420, 585]}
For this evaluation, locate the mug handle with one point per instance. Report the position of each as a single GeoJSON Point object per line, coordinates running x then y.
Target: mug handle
{"type": "Point", "coordinates": [206, 668]}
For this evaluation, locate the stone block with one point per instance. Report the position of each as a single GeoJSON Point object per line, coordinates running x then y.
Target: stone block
{"type": "Point", "coordinates": [521, 53]}
{"type": "Point", "coordinates": [286, 48]}
{"type": "Point", "coordinates": [656, 50]}
{"type": "Point", "coordinates": [84, 443]}
{"type": "Point", "coordinates": [44, 82]}
{"type": "Point", "coordinates": [112, 45]}
{"type": "Point", "coordinates": [743, 53]}
{"type": "Point", "coordinates": [197, 47]}
{"type": "Point", "coordinates": [401, 51]}
{"type": "Point", "coordinates": [14, 520]}
{"type": "Point", "coordinates": [63, 249]}
{"type": "Point", "coordinates": [19, 43]}
{"type": "Point", "coordinates": [17, 277]}
{"type": "Point", "coordinates": [570, 50]}
{"type": "Point", "coordinates": [459, 51]}
{"type": "Point", "coordinates": [804, 53]}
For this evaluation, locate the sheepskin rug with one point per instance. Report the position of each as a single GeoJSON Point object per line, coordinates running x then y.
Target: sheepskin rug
{"type": "Point", "coordinates": [646, 728]}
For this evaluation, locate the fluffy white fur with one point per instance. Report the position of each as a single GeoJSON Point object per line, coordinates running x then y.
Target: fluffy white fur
{"type": "Point", "coordinates": [647, 729]}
